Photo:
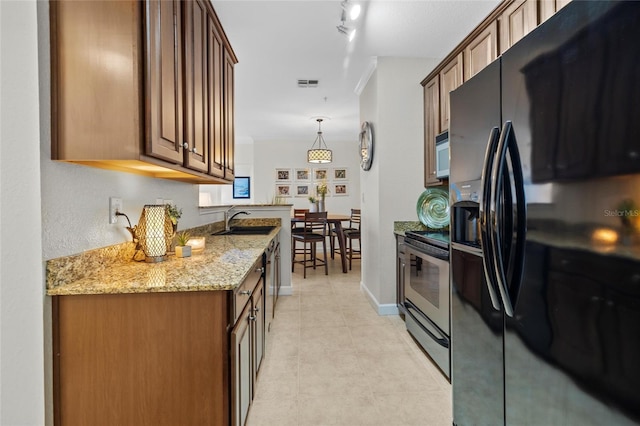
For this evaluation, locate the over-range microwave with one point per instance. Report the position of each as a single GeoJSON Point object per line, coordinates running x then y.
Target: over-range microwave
{"type": "Point", "coordinates": [442, 155]}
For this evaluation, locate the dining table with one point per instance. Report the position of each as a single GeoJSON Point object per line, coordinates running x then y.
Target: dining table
{"type": "Point", "coordinates": [334, 220]}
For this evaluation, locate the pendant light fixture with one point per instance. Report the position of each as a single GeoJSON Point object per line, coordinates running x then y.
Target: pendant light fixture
{"type": "Point", "coordinates": [320, 154]}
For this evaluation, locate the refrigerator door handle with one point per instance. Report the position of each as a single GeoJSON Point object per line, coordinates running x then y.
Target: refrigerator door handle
{"type": "Point", "coordinates": [516, 266]}
{"type": "Point", "coordinates": [507, 143]}
{"type": "Point", "coordinates": [487, 249]}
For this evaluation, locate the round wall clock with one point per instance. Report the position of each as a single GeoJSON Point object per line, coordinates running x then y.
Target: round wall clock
{"type": "Point", "coordinates": [366, 146]}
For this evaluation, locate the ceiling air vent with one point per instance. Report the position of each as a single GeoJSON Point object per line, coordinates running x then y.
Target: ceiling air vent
{"type": "Point", "coordinates": [307, 83]}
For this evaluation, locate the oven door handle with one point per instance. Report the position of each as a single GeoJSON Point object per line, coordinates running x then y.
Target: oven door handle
{"type": "Point", "coordinates": [442, 340]}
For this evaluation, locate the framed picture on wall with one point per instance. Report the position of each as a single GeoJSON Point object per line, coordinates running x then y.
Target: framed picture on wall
{"type": "Point", "coordinates": [320, 174]}
{"type": "Point", "coordinates": [303, 190]}
{"type": "Point", "coordinates": [242, 187]}
{"type": "Point", "coordinates": [340, 189]}
{"type": "Point", "coordinates": [283, 190]}
{"type": "Point", "coordinates": [340, 173]}
{"type": "Point", "coordinates": [303, 175]}
{"type": "Point", "coordinates": [283, 175]}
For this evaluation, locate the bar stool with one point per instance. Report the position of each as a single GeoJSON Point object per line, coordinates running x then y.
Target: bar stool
{"type": "Point", "coordinates": [313, 232]}
{"type": "Point", "coordinates": [354, 225]}
{"type": "Point", "coordinates": [350, 236]}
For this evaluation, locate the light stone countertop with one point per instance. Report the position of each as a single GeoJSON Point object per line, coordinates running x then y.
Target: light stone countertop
{"type": "Point", "coordinates": [400, 227]}
{"type": "Point", "coordinates": [223, 265]}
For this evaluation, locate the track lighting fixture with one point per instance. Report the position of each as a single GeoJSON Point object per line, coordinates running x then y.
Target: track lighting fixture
{"type": "Point", "coordinates": [353, 11]}
{"type": "Point", "coordinates": [349, 32]}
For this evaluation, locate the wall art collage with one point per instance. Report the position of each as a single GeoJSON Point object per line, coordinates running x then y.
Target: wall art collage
{"type": "Point", "coordinates": [303, 182]}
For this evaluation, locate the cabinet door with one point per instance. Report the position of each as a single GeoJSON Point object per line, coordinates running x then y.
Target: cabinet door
{"type": "Point", "coordinates": [229, 118]}
{"type": "Point", "coordinates": [241, 368]}
{"type": "Point", "coordinates": [259, 323]}
{"type": "Point", "coordinates": [215, 95]}
{"type": "Point", "coordinates": [431, 129]}
{"type": "Point", "coordinates": [95, 108]}
{"type": "Point", "coordinates": [550, 7]}
{"type": "Point", "coordinates": [450, 79]}
{"type": "Point", "coordinates": [164, 81]}
{"type": "Point", "coordinates": [517, 20]}
{"type": "Point", "coordinates": [481, 51]}
{"type": "Point", "coordinates": [196, 97]}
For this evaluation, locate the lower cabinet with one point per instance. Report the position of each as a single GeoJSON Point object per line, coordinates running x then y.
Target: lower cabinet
{"type": "Point", "coordinates": [182, 358]}
{"type": "Point", "coordinates": [241, 368]}
{"type": "Point", "coordinates": [247, 353]}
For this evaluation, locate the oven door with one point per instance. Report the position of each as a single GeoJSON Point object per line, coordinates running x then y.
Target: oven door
{"type": "Point", "coordinates": [426, 286]}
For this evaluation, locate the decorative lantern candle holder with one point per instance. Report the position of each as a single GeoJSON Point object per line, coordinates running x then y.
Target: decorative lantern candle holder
{"type": "Point", "coordinates": [153, 230]}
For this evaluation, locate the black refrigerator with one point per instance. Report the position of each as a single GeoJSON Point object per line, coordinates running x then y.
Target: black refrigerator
{"type": "Point", "coordinates": [545, 251]}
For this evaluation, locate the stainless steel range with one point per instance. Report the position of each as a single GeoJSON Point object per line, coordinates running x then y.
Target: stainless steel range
{"type": "Point", "coordinates": [426, 293]}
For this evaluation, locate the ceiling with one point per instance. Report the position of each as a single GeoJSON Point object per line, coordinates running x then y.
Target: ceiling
{"type": "Point", "coordinates": [279, 42]}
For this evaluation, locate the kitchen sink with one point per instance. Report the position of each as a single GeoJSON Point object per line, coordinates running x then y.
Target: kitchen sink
{"type": "Point", "coordinates": [247, 230]}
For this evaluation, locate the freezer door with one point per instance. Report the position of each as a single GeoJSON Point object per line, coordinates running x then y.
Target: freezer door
{"type": "Point", "coordinates": [570, 89]}
{"type": "Point", "coordinates": [476, 314]}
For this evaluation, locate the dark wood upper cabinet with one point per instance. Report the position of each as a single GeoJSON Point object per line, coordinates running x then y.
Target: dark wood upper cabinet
{"type": "Point", "coordinates": [163, 72]}
{"type": "Point", "coordinates": [431, 129]}
{"type": "Point", "coordinates": [450, 79]}
{"type": "Point", "coordinates": [196, 100]}
{"type": "Point", "coordinates": [153, 99]}
{"type": "Point", "coordinates": [229, 109]}
{"type": "Point", "coordinates": [481, 51]}
{"type": "Point", "coordinates": [504, 26]}
{"type": "Point", "coordinates": [215, 101]}
{"type": "Point", "coordinates": [517, 20]}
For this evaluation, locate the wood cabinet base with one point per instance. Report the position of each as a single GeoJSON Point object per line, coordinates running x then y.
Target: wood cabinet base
{"type": "Point", "coordinates": [142, 359]}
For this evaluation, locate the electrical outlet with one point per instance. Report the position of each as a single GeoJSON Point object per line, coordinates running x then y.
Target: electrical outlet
{"type": "Point", "coordinates": [115, 205]}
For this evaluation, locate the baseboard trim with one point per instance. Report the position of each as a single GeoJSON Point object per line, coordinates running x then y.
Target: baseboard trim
{"type": "Point", "coordinates": [381, 309]}
{"type": "Point", "coordinates": [285, 291]}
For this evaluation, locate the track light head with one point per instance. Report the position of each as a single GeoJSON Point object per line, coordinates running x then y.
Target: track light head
{"type": "Point", "coordinates": [349, 32]}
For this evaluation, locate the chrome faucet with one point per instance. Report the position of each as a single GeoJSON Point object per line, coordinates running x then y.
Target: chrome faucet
{"type": "Point", "coordinates": [227, 219]}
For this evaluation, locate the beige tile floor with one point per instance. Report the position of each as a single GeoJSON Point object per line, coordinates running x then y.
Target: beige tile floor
{"type": "Point", "coordinates": [331, 360]}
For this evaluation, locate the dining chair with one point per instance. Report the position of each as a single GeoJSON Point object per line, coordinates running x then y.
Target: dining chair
{"type": "Point", "coordinates": [351, 236]}
{"type": "Point", "coordinates": [313, 232]}
{"type": "Point", "coordinates": [354, 225]}
{"type": "Point", "coordinates": [298, 214]}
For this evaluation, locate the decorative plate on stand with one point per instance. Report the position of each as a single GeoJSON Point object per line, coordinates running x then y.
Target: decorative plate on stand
{"type": "Point", "coordinates": [433, 208]}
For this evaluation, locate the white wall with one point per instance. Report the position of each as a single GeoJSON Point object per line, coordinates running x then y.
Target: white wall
{"type": "Point", "coordinates": [21, 273]}
{"type": "Point", "coordinates": [212, 195]}
{"type": "Point", "coordinates": [393, 101]}
{"type": "Point", "coordinates": [270, 155]}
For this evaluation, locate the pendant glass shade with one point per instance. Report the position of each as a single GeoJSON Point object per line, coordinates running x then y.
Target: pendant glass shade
{"type": "Point", "coordinates": [319, 154]}
{"type": "Point", "coordinates": [154, 227]}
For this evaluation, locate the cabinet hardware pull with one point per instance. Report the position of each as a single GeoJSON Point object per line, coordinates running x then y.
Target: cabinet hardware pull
{"type": "Point", "coordinates": [252, 318]}
{"type": "Point", "coordinates": [256, 309]}
{"type": "Point", "coordinates": [194, 150]}
{"type": "Point", "coordinates": [185, 145]}
{"type": "Point", "coordinates": [261, 270]}
{"type": "Point", "coordinates": [247, 292]}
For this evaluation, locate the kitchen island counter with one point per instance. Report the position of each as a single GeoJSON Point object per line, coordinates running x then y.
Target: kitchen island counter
{"type": "Point", "coordinates": [223, 265]}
